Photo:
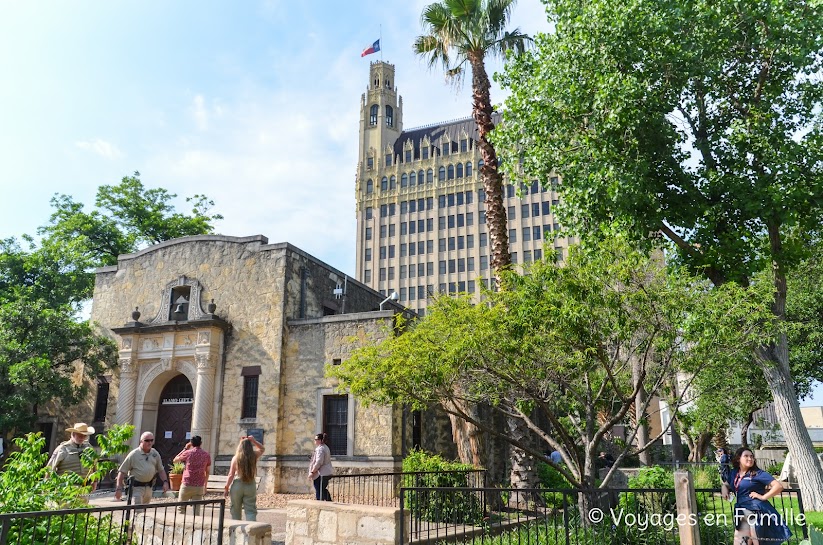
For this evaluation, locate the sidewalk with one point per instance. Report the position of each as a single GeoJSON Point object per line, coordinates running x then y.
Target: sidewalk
{"type": "Point", "coordinates": [276, 517]}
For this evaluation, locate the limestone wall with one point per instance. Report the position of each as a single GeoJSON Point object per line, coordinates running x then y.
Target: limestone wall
{"type": "Point", "coordinates": [311, 522]}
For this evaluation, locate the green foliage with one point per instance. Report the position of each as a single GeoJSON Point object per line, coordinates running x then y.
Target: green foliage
{"type": "Point", "coordinates": [40, 348]}
{"type": "Point", "coordinates": [112, 443]}
{"type": "Point", "coordinates": [177, 468]}
{"type": "Point", "coordinates": [461, 507]}
{"type": "Point", "coordinates": [775, 468]}
{"type": "Point", "coordinates": [561, 340]}
{"type": "Point", "coordinates": [551, 478]}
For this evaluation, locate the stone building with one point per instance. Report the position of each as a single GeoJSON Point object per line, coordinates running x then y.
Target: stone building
{"type": "Point", "coordinates": [421, 225]}
{"type": "Point", "coordinates": [223, 337]}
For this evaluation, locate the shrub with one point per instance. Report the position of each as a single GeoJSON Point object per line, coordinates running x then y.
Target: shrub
{"type": "Point", "coordinates": [551, 478]}
{"type": "Point", "coordinates": [651, 502]}
{"type": "Point", "coordinates": [775, 468]}
{"type": "Point", "coordinates": [458, 506]}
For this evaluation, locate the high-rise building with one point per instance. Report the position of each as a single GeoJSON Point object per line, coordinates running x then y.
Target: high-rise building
{"type": "Point", "coordinates": [421, 224]}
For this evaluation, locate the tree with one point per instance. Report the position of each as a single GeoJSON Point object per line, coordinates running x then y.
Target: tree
{"type": "Point", "coordinates": [460, 33]}
{"type": "Point", "coordinates": [465, 32]}
{"type": "Point", "coordinates": [698, 120]}
{"type": "Point", "coordinates": [559, 344]}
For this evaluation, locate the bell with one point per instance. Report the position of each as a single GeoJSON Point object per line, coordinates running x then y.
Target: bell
{"type": "Point", "coordinates": [179, 309]}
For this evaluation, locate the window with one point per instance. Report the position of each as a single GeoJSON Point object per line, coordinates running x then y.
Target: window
{"type": "Point", "coordinates": [369, 163]}
{"type": "Point", "coordinates": [404, 179]}
{"type": "Point", "coordinates": [509, 191]}
{"type": "Point", "coordinates": [382, 252]}
{"type": "Point", "coordinates": [403, 294]}
{"type": "Point", "coordinates": [388, 159]}
{"type": "Point", "coordinates": [461, 266]}
{"type": "Point", "coordinates": [461, 220]}
{"type": "Point", "coordinates": [421, 226]}
{"type": "Point", "coordinates": [367, 276]}
{"type": "Point", "coordinates": [384, 210]}
{"type": "Point", "coordinates": [450, 175]}
{"type": "Point", "coordinates": [441, 201]}
{"type": "Point", "coordinates": [441, 245]}
{"type": "Point", "coordinates": [469, 217]}
{"type": "Point", "coordinates": [460, 198]}
{"type": "Point", "coordinates": [389, 116]}
{"type": "Point", "coordinates": [429, 246]}
{"type": "Point", "coordinates": [559, 251]}
{"type": "Point", "coordinates": [429, 176]}
{"type": "Point", "coordinates": [445, 148]}
{"type": "Point", "coordinates": [470, 241]}
{"type": "Point", "coordinates": [471, 287]}
{"type": "Point", "coordinates": [369, 212]}
{"type": "Point", "coordinates": [461, 286]}
{"type": "Point", "coordinates": [336, 423]}
{"type": "Point", "coordinates": [536, 232]}
{"type": "Point", "coordinates": [368, 254]}
{"type": "Point", "coordinates": [420, 176]}
{"type": "Point", "coordinates": [452, 266]}
{"type": "Point", "coordinates": [441, 223]}
{"type": "Point", "coordinates": [441, 267]}
{"type": "Point", "coordinates": [484, 262]}
{"type": "Point", "coordinates": [421, 292]}
{"type": "Point", "coordinates": [481, 197]}
{"type": "Point", "coordinates": [404, 207]}
{"type": "Point", "coordinates": [393, 182]}
{"type": "Point", "coordinates": [251, 382]}
{"type": "Point", "coordinates": [373, 114]}
{"type": "Point", "coordinates": [546, 208]}
{"type": "Point", "coordinates": [402, 249]}
{"type": "Point", "coordinates": [451, 244]}
{"type": "Point", "coordinates": [420, 247]}
{"type": "Point", "coordinates": [424, 152]}
{"type": "Point", "coordinates": [464, 145]}
{"type": "Point", "coordinates": [384, 184]}
{"type": "Point", "coordinates": [430, 268]}
{"type": "Point", "coordinates": [527, 256]}
{"type": "Point", "coordinates": [451, 199]}
{"type": "Point", "coordinates": [382, 274]}
{"type": "Point", "coordinates": [383, 231]}
{"type": "Point", "coordinates": [391, 275]}
{"type": "Point", "coordinates": [554, 181]}
{"type": "Point", "coordinates": [470, 265]}
{"type": "Point", "coordinates": [101, 404]}
{"type": "Point", "coordinates": [461, 243]}
{"type": "Point", "coordinates": [527, 234]}
{"type": "Point", "coordinates": [513, 256]}
{"type": "Point", "coordinates": [412, 227]}
{"type": "Point", "coordinates": [429, 225]}
{"type": "Point", "coordinates": [402, 271]}
{"type": "Point", "coordinates": [538, 255]}
{"type": "Point", "coordinates": [524, 210]}
{"type": "Point", "coordinates": [451, 221]}
{"type": "Point", "coordinates": [391, 213]}
{"type": "Point", "coordinates": [452, 288]}
{"type": "Point", "coordinates": [512, 212]}
{"type": "Point", "coordinates": [482, 217]}
{"type": "Point", "coordinates": [407, 156]}
{"type": "Point", "coordinates": [535, 209]}
{"type": "Point", "coordinates": [412, 271]}
{"type": "Point", "coordinates": [512, 235]}
{"type": "Point", "coordinates": [484, 240]}
{"type": "Point", "coordinates": [421, 271]}
{"type": "Point", "coordinates": [369, 186]}
{"type": "Point", "coordinates": [441, 174]}
{"type": "Point", "coordinates": [429, 203]}
{"type": "Point", "coordinates": [468, 170]}
{"type": "Point", "coordinates": [412, 179]}
{"type": "Point", "coordinates": [391, 252]}
{"type": "Point", "coordinates": [459, 170]}
{"type": "Point", "coordinates": [412, 205]}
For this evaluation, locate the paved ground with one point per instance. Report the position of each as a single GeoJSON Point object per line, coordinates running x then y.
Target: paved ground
{"type": "Point", "coordinates": [276, 516]}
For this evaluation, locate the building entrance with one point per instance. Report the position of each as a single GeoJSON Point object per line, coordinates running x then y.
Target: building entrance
{"type": "Point", "coordinates": [174, 418]}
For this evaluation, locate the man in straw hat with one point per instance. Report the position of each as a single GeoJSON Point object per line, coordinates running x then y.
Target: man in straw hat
{"type": "Point", "coordinates": [66, 457]}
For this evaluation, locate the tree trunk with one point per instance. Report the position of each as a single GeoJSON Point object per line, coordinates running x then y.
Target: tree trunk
{"type": "Point", "coordinates": [642, 425]}
{"type": "Point", "coordinates": [774, 360]}
{"type": "Point", "coordinates": [744, 430]}
{"type": "Point", "coordinates": [524, 468]}
{"type": "Point", "coordinates": [489, 173]}
{"type": "Point", "coordinates": [720, 439]}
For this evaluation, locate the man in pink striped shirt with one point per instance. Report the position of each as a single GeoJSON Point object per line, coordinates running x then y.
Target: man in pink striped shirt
{"type": "Point", "coordinates": [196, 474]}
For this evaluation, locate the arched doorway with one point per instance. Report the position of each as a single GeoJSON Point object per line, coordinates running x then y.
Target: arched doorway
{"type": "Point", "coordinates": [174, 418]}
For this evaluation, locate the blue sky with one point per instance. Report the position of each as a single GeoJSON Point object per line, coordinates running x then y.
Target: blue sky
{"type": "Point", "coordinates": [255, 104]}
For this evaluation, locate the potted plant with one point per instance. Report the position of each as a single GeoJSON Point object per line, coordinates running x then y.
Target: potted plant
{"type": "Point", "coordinates": [176, 474]}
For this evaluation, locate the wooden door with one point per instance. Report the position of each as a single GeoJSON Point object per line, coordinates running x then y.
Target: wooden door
{"type": "Point", "coordinates": [174, 418]}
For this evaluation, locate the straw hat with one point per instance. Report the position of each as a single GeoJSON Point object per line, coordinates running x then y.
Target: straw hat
{"type": "Point", "coordinates": [81, 427]}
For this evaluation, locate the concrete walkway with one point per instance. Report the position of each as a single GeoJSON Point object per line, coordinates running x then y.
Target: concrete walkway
{"type": "Point", "coordinates": [273, 516]}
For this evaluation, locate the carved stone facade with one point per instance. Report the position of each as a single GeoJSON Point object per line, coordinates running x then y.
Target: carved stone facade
{"type": "Point", "coordinates": [225, 310]}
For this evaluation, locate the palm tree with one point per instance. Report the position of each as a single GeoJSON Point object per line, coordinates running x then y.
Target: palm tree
{"type": "Point", "coordinates": [460, 33]}
{"type": "Point", "coordinates": [465, 32]}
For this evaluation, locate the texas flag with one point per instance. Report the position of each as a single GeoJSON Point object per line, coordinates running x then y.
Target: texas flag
{"type": "Point", "coordinates": [375, 47]}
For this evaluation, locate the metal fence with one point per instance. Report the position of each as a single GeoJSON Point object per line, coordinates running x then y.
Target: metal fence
{"type": "Point", "coordinates": [383, 489]}
{"type": "Point", "coordinates": [126, 524]}
{"type": "Point", "coordinates": [572, 517]}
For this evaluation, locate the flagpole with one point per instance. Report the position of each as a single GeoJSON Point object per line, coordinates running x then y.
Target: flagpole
{"type": "Point", "coordinates": [381, 43]}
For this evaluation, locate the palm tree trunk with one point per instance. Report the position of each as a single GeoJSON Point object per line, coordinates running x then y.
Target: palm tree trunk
{"type": "Point", "coordinates": [489, 173]}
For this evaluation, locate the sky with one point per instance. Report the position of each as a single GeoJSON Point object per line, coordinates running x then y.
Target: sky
{"type": "Point", "coordinates": [255, 104]}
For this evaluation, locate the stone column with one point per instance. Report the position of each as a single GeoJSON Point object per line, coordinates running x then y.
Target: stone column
{"type": "Point", "coordinates": [127, 392]}
{"type": "Point", "coordinates": [201, 423]}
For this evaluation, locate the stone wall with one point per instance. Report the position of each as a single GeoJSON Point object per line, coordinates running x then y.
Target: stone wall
{"type": "Point", "coordinates": [310, 522]}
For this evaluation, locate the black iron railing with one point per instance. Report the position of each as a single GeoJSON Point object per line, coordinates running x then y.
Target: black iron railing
{"type": "Point", "coordinates": [573, 517]}
{"type": "Point", "coordinates": [383, 489]}
{"type": "Point", "coordinates": [126, 524]}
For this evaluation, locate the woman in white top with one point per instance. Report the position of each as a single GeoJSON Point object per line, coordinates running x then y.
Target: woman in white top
{"type": "Point", "coordinates": [320, 468]}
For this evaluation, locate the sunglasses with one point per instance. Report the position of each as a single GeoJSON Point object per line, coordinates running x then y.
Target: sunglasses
{"type": "Point", "coordinates": [148, 440]}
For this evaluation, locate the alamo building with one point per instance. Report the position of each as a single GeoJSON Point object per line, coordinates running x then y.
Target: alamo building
{"type": "Point", "coordinates": [223, 337]}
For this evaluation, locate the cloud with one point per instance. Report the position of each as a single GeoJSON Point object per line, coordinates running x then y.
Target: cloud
{"type": "Point", "coordinates": [100, 147]}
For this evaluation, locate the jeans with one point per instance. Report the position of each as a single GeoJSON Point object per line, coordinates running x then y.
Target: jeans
{"type": "Point", "coordinates": [321, 488]}
{"type": "Point", "coordinates": [243, 495]}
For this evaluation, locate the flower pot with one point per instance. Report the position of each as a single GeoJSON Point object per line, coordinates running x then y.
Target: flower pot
{"type": "Point", "coordinates": [175, 479]}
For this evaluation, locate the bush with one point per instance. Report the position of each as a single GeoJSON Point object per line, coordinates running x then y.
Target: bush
{"type": "Point", "coordinates": [551, 478]}
{"type": "Point", "coordinates": [458, 507]}
{"type": "Point", "coordinates": [775, 468]}
{"type": "Point", "coordinates": [650, 502]}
